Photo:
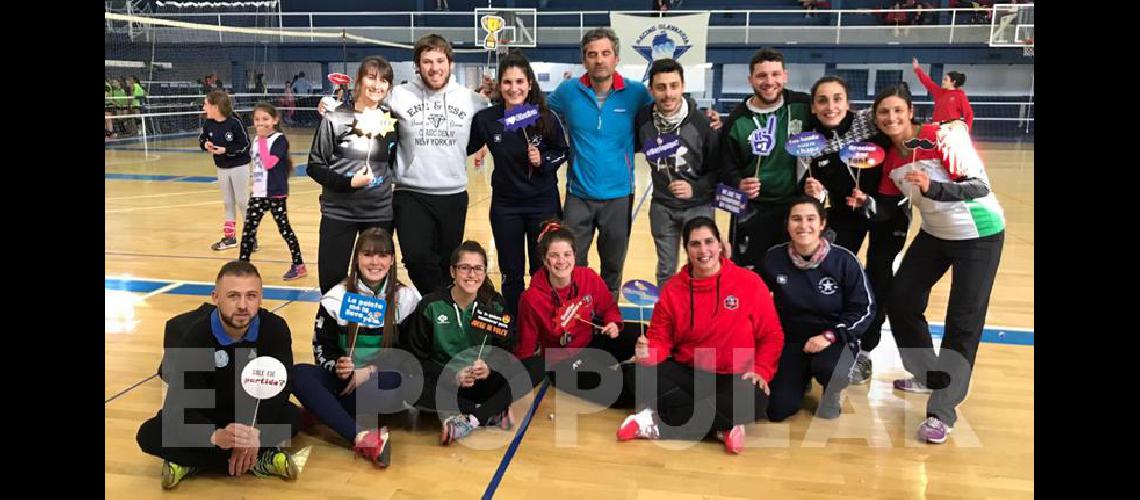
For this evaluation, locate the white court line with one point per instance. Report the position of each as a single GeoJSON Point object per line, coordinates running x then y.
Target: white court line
{"type": "Point", "coordinates": [144, 160]}
{"type": "Point", "coordinates": [215, 202]}
{"type": "Point", "coordinates": [164, 289]}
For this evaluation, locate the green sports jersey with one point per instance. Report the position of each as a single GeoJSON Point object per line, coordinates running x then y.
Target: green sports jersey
{"type": "Point", "coordinates": [777, 170]}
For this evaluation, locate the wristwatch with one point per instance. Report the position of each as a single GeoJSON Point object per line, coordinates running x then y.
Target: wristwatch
{"type": "Point", "coordinates": [829, 335]}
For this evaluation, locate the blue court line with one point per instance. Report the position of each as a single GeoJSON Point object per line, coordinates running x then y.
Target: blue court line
{"type": "Point", "coordinates": [1008, 336]}
{"type": "Point", "coordinates": [268, 293]}
{"type": "Point", "coordinates": [506, 461]}
{"type": "Point", "coordinates": [129, 285]}
{"type": "Point", "coordinates": [298, 171]}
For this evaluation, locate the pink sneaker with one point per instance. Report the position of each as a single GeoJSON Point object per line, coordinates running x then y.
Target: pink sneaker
{"type": "Point", "coordinates": [733, 439]}
{"type": "Point", "coordinates": [297, 271]}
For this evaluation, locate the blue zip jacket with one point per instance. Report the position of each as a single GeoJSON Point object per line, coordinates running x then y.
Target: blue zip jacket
{"type": "Point", "coordinates": [602, 139]}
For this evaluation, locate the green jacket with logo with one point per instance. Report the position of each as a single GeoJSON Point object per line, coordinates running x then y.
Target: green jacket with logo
{"type": "Point", "coordinates": [439, 331]}
{"type": "Point", "coordinates": [777, 171]}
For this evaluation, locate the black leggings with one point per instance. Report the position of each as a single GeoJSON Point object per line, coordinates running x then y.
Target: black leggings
{"type": "Point", "coordinates": [829, 367]}
{"type": "Point", "coordinates": [730, 400]}
{"type": "Point", "coordinates": [253, 214]}
{"type": "Point", "coordinates": [887, 240]}
{"type": "Point", "coordinates": [589, 365]}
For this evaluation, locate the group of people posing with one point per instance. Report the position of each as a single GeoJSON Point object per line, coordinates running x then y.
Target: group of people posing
{"type": "Point", "coordinates": [737, 333]}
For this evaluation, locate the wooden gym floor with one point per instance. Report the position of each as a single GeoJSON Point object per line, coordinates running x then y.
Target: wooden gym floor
{"type": "Point", "coordinates": [162, 212]}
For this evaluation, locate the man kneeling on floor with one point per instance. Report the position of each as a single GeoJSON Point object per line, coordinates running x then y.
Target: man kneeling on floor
{"type": "Point", "coordinates": [208, 422]}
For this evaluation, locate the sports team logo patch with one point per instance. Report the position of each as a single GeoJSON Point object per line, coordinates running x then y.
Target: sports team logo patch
{"type": "Point", "coordinates": [828, 286]}
{"type": "Point", "coordinates": [731, 303]}
{"type": "Point", "coordinates": [497, 137]}
{"type": "Point", "coordinates": [441, 319]}
{"type": "Point", "coordinates": [229, 136]}
{"type": "Point", "coordinates": [781, 279]}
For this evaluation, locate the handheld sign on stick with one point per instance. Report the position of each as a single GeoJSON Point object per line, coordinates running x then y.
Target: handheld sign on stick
{"type": "Point", "coordinates": [263, 378]}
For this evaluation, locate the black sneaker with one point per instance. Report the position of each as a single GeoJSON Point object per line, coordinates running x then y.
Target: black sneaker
{"type": "Point", "coordinates": [224, 244]}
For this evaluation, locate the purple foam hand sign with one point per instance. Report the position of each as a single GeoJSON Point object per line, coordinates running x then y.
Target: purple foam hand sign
{"type": "Point", "coordinates": [862, 154]}
{"type": "Point", "coordinates": [806, 144]}
{"type": "Point", "coordinates": [518, 117]}
{"type": "Point", "coordinates": [763, 139]}
{"type": "Point", "coordinates": [661, 146]}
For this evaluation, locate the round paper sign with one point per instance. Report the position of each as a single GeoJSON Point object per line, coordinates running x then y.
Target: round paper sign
{"type": "Point", "coordinates": [264, 377]}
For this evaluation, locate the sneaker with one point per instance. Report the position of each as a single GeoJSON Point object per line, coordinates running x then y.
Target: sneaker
{"type": "Point", "coordinates": [296, 271]}
{"type": "Point", "coordinates": [829, 406]}
{"type": "Point", "coordinates": [639, 425]}
{"type": "Point", "coordinates": [375, 447]}
{"type": "Point", "coordinates": [172, 473]}
{"type": "Point", "coordinates": [934, 430]}
{"type": "Point", "coordinates": [455, 427]}
{"type": "Point", "coordinates": [733, 439]}
{"type": "Point", "coordinates": [912, 385]}
{"type": "Point", "coordinates": [504, 420]}
{"type": "Point", "coordinates": [224, 244]}
{"type": "Point", "coordinates": [861, 370]}
{"type": "Point", "coordinates": [275, 462]}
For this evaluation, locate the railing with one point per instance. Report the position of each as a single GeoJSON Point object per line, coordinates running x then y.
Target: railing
{"type": "Point", "coordinates": [726, 27]}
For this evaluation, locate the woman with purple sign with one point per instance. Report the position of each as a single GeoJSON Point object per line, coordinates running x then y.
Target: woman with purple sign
{"type": "Point", "coordinates": [855, 210]}
{"type": "Point", "coordinates": [348, 355]}
{"type": "Point", "coordinates": [528, 145]}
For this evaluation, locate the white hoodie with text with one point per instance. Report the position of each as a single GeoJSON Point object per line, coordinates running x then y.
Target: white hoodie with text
{"type": "Point", "coordinates": [434, 126]}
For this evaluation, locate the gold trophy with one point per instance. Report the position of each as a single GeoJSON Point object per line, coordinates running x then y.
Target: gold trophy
{"type": "Point", "coordinates": [493, 25]}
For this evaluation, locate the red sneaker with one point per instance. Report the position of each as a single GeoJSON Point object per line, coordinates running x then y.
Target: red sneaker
{"type": "Point", "coordinates": [374, 446]}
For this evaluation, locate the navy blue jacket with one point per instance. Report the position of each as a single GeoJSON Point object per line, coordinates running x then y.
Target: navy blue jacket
{"type": "Point", "coordinates": [229, 134]}
{"type": "Point", "coordinates": [834, 296]}
{"type": "Point", "coordinates": [514, 181]}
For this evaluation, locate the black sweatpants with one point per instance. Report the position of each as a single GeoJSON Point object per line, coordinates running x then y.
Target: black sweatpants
{"type": "Point", "coordinates": [975, 264]}
{"type": "Point", "coordinates": [887, 240]}
{"type": "Point", "coordinates": [829, 367]}
{"type": "Point", "coordinates": [730, 400]}
{"type": "Point", "coordinates": [334, 251]}
{"type": "Point", "coordinates": [766, 227]}
{"type": "Point", "coordinates": [516, 231]}
{"type": "Point", "coordinates": [589, 365]}
{"type": "Point", "coordinates": [211, 458]}
{"type": "Point", "coordinates": [277, 208]}
{"type": "Point", "coordinates": [430, 227]}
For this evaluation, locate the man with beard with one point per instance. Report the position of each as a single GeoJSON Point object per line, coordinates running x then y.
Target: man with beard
{"type": "Point", "coordinates": [430, 200]}
{"type": "Point", "coordinates": [204, 424]}
{"type": "Point", "coordinates": [682, 181]}
{"type": "Point", "coordinates": [754, 159]}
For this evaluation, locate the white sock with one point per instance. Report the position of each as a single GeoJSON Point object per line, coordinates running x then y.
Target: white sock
{"type": "Point", "coordinates": [359, 436]}
{"type": "Point", "coordinates": [474, 421]}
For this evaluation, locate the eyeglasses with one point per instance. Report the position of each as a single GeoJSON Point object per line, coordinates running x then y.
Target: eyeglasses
{"type": "Point", "coordinates": [466, 268]}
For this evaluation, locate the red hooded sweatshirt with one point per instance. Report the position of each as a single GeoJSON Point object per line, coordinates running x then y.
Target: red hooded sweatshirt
{"type": "Point", "coordinates": [542, 311]}
{"type": "Point", "coordinates": [949, 104]}
{"type": "Point", "coordinates": [731, 311]}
